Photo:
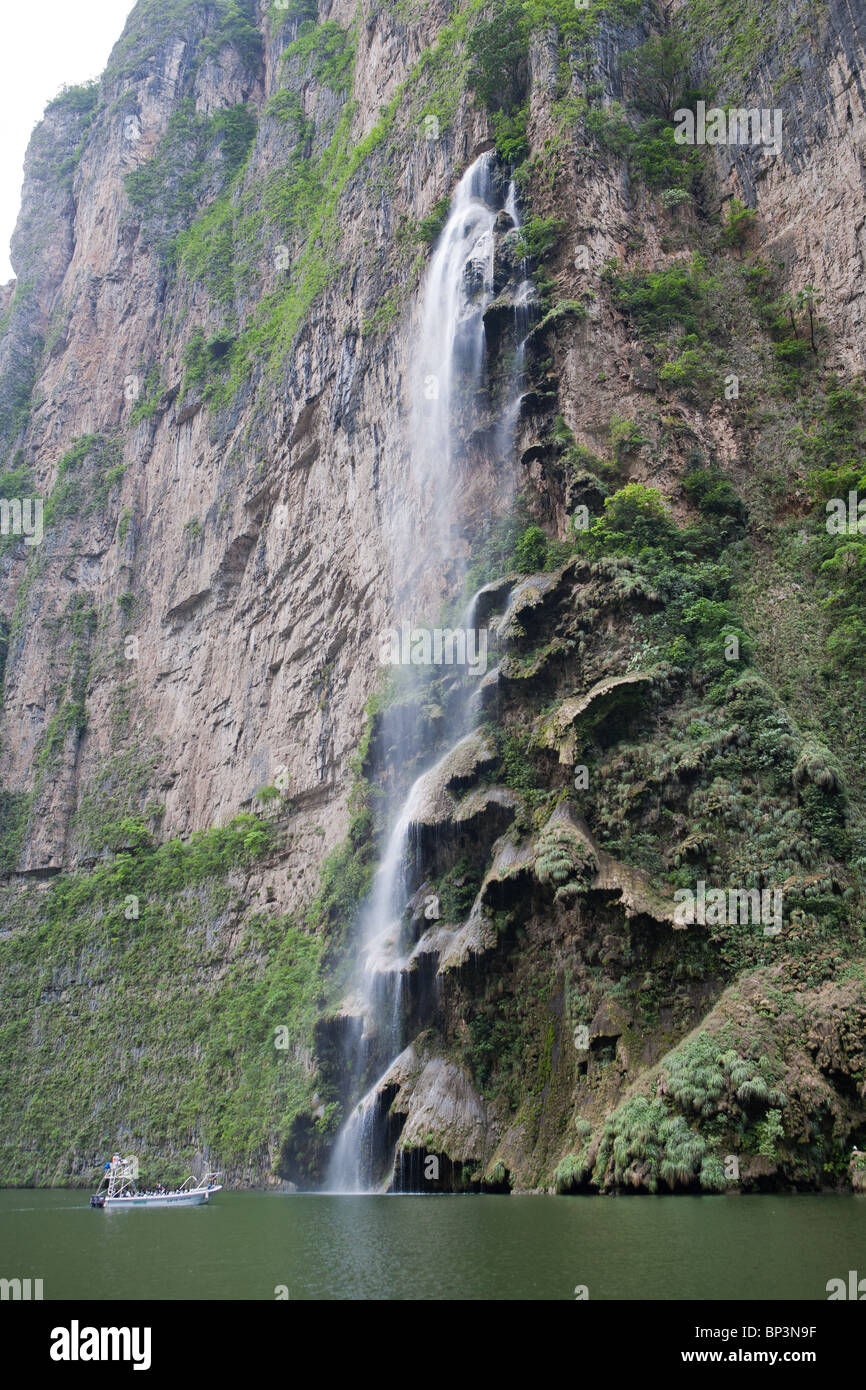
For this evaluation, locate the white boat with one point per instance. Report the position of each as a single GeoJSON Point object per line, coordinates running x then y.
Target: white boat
{"type": "Point", "coordinates": [120, 1190]}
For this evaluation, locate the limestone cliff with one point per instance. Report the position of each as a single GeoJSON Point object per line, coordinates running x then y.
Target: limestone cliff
{"type": "Point", "coordinates": [206, 373]}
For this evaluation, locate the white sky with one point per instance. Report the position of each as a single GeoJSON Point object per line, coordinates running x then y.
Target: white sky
{"type": "Point", "coordinates": [46, 43]}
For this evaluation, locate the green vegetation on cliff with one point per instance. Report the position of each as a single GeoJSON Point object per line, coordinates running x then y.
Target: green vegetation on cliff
{"type": "Point", "coordinates": [175, 993]}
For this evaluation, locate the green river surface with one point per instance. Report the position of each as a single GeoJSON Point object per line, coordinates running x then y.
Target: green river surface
{"type": "Point", "coordinates": [249, 1245]}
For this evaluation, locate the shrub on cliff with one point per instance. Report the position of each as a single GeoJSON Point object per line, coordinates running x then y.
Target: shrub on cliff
{"type": "Point", "coordinates": [659, 300]}
{"type": "Point", "coordinates": [498, 51]}
{"type": "Point", "coordinates": [657, 70]}
{"type": "Point", "coordinates": [633, 518]}
{"type": "Point", "coordinates": [530, 553]}
{"type": "Point", "coordinates": [715, 498]}
{"type": "Point", "coordinates": [537, 237]}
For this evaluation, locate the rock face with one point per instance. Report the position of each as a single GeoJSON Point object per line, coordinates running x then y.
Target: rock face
{"type": "Point", "coordinates": [811, 74]}
{"type": "Point", "coordinates": [207, 371]}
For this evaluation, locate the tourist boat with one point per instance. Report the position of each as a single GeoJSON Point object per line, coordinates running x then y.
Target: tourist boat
{"type": "Point", "coordinates": [118, 1190]}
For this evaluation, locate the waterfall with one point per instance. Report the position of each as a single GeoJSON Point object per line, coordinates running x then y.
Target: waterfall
{"type": "Point", "coordinates": [448, 384]}
{"type": "Point", "coordinates": [447, 373]}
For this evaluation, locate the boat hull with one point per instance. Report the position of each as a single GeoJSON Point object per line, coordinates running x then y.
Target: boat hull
{"type": "Point", "coordinates": [168, 1199]}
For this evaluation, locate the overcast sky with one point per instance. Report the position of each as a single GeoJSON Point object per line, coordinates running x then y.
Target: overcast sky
{"type": "Point", "coordinates": [46, 43]}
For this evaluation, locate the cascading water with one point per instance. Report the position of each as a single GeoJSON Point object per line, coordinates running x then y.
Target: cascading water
{"type": "Point", "coordinates": [449, 375]}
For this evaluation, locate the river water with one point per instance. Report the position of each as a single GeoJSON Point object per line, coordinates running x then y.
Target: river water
{"type": "Point", "coordinates": [250, 1245]}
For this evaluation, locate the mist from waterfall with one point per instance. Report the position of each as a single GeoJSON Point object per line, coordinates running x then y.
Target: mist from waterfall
{"type": "Point", "coordinates": [448, 390]}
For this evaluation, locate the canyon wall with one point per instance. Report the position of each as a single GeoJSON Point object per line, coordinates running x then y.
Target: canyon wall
{"type": "Point", "coordinates": [206, 373]}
